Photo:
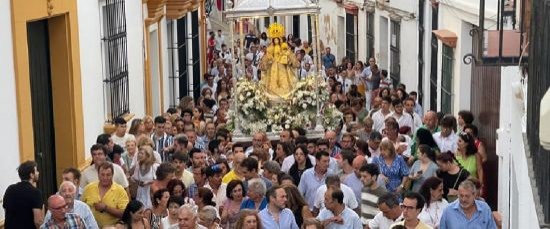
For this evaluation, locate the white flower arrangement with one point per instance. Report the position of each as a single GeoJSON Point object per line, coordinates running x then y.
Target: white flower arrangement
{"type": "Point", "coordinates": [252, 102]}
{"type": "Point", "coordinates": [331, 117]}
{"type": "Point", "coordinates": [305, 96]}
{"type": "Point", "coordinates": [299, 110]}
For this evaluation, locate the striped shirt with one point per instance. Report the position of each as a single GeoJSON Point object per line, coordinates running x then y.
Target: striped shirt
{"type": "Point", "coordinates": [72, 221]}
{"type": "Point", "coordinates": [369, 202]}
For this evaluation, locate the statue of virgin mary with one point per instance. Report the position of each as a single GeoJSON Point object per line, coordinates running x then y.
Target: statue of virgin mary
{"type": "Point", "coordinates": [278, 65]}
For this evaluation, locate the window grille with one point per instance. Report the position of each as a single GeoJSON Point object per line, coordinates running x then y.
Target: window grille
{"type": "Point", "coordinates": [115, 82]}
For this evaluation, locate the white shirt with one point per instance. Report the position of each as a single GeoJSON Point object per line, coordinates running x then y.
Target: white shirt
{"type": "Point", "coordinates": [219, 196]}
{"type": "Point", "coordinates": [121, 141]}
{"type": "Point", "coordinates": [350, 218]}
{"type": "Point", "coordinates": [89, 175]}
{"type": "Point", "coordinates": [432, 215]}
{"type": "Point", "coordinates": [381, 222]}
{"type": "Point", "coordinates": [349, 197]}
{"type": "Point", "coordinates": [289, 161]}
{"type": "Point", "coordinates": [404, 120]}
{"type": "Point", "coordinates": [220, 39]}
{"type": "Point", "coordinates": [449, 143]}
{"type": "Point", "coordinates": [408, 143]}
{"type": "Point", "coordinates": [227, 56]}
{"type": "Point", "coordinates": [417, 122]}
{"type": "Point", "coordinates": [346, 84]}
{"type": "Point", "coordinates": [379, 119]}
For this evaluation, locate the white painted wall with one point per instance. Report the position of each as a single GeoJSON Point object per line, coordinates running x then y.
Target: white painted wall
{"type": "Point", "coordinates": [409, 54]}
{"type": "Point", "coordinates": [134, 31]}
{"type": "Point", "coordinates": [91, 65]}
{"type": "Point", "coordinates": [165, 67]}
{"type": "Point", "coordinates": [10, 142]}
{"type": "Point", "coordinates": [328, 26]}
{"type": "Point", "coordinates": [91, 70]}
{"type": "Point", "coordinates": [515, 201]}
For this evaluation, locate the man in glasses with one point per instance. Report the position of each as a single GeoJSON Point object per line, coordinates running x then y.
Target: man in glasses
{"type": "Point", "coordinates": [412, 206]}
{"type": "Point", "coordinates": [60, 217]}
{"type": "Point", "coordinates": [390, 212]}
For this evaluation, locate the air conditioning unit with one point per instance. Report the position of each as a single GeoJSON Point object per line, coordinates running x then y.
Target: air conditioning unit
{"type": "Point", "coordinates": [544, 126]}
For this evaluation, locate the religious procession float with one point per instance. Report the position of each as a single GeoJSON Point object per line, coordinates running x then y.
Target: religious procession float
{"type": "Point", "coordinates": [280, 100]}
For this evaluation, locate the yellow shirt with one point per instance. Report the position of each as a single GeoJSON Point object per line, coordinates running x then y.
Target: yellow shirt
{"type": "Point", "coordinates": [420, 225]}
{"type": "Point", "coordinates": [115, 197]}
{"type": "Point", "coordinates": [231, 175]}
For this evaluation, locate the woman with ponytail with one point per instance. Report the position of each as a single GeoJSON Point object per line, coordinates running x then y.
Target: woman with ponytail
{"type": "Point", "coordinates": [452, 174]}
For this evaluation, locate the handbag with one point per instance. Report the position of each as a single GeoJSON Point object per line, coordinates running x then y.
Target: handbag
{"type": "Point", "coordinates": [452, 198]}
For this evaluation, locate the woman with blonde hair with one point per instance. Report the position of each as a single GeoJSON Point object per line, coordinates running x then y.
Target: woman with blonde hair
{"type": "Point", "coordinates": [149, 125]}
{"type": "Point", "coordinates": [297, 204]}
{"type": "Point", "coordinates": [144, 174]}
{"type": "Point", "coordinates": [137, 127]}
{"type": "Point", "coordinates": [249, 219]}
{"type": "Point", "coordinates": [393, 168]}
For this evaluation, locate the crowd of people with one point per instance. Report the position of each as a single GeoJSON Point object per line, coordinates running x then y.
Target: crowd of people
{"type": "Point", "coordinates": [388, 165]}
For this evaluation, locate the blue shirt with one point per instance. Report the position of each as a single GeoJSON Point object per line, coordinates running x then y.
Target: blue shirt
{"type": "Point", "coordinates": [286, 219]}
{"type": "Point", "coordinates": [394, 173]}
{"type": "Point", "coordinates": [351, 219]}
{"type": "Point", "coordinates": [82, 210]}
{"type": "Point", "coordinates": [454, 217]}
{"type": "Point", "coordinates": [352, 181]}
{"type": "Point", "coordinates": [328, 60]}
{"type": "Point", "coordinates": [249, 204]}
{"type": "Point", "coordinates": [309, 183]}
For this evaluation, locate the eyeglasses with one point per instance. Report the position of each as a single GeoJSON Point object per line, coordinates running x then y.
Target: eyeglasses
{"type": "Point", "coordinates": [403, 206]}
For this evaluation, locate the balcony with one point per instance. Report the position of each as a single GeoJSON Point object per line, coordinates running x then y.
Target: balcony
{"type": "Point", "coordinates": [506, 44]}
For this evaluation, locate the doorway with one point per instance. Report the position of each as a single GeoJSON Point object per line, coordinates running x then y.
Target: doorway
{"type": "Point", "coordinates": [42, 104]}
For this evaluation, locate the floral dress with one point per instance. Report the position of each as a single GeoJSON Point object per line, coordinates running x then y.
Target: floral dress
{"type": "Point", "coordinates": [395, 172]}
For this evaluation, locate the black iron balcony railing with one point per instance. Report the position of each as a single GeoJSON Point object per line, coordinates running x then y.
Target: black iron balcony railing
{"type": "Point", "coordinates": [507, 44]}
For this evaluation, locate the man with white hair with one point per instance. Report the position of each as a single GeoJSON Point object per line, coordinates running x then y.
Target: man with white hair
{"type": "Point", "coordinates": [67, 190]}
{"type": "Point", "coordinates": [467, 212]}
{"type": "Point", "coordinates": [187, 218]}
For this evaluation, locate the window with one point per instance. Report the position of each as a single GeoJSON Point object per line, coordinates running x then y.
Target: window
{"type": "Point", "coordinates": [115, 61]}
{"type": "Point", "coordinates": [296, 26]}
{"type": "Point", "coordinates": [309, 29]}
{"type": "Point", "coordinates": [350, 37]}
{"type": "Point", "coordinates": [266, 22]}
{"type": "Point", "coordinates": [446, 79]}
{"type": "Point", "coordinates": [177, 60]}
{"type": "Point", "coordinates": [395, 65]}
{"type": "Point", "coordinates": [370, 35]}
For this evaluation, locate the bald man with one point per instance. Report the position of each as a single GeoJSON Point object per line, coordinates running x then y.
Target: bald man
{"type": "Point", "coordinates": [67, 190]}
{"type": "Point", "coordinates": [59, 215]}
{"type": "Point", "coordinates": [430, 123]}
{"type": "Point", "coordinates": [259, 140]}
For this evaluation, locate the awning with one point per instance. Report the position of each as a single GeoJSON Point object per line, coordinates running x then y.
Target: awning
{"type": "Point", "coordinates": [446, 36]}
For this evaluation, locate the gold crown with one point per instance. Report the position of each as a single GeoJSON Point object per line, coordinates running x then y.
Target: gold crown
{"type": "Point", "coordinates": [276, 30]}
